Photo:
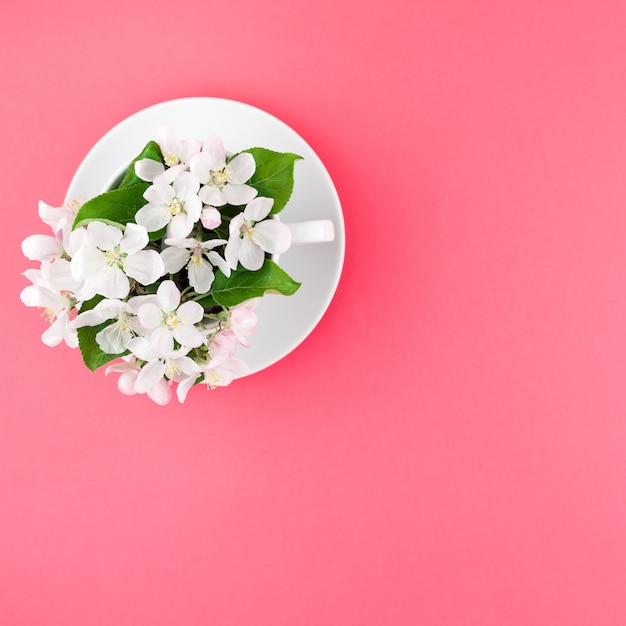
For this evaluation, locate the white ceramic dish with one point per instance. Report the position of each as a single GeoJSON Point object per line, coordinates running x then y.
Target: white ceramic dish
{"type": "Point", "coordinates": [284, 321]}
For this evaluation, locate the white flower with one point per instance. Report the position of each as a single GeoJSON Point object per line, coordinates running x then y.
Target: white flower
{"type": "Point", "coordinates": [42, 247]}
{"type": "Point", "coordinates": [155, 172]}
{"type": "Point", "coordinates": [128, 370]}
{"type": "Point", "coordinates": [175, 150]}
{"type": "Point", "coordinates": [57, 309]}
{"type": "Point", "coordinates": [114, 338]}
{"type": "Point", "coordinates": [162, 363]}
{"type": "Point", "coordinates": [251, 235]}
{"type": "Point", "coordinates": [57, 217]}
{"type": "Point", "coordinates": [221, 369]}
{"type": "Point", "coordinates": [176, 155]}
{"type": "Point", "coordinates": [108, 257]}
{"type": "Point", "coordinates": [159, 391]}
{"type": "Point", "coordinates": [58, 245]}
{"type": "Point", "coordinates": [176, 206]}
{"type": "Point", "coordinates": [199, 257]}
{"type": "Point", "coordinates": [58, 276]}
{"type": "Point", "coordinates": [224, 366]}
{"type": "Point", "coordinates": [171, 318]}
{"type": "Point", "coordinates": [224, 182]}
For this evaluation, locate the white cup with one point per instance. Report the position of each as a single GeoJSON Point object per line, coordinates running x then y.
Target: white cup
{"type": "Point", "coordinates": [310, 231]}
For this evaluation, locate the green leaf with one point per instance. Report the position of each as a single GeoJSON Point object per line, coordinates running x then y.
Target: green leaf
{"type": "Point", "coordinates": [93, 356]}
{"type": "Point", "coordinates": [273, 176]}
{"type": "Point", "coordinates": [244, 284]}
{"type": "Point", "coordinates": [151, 151]}
{"type": "Point", "coordinates": [117, 207]}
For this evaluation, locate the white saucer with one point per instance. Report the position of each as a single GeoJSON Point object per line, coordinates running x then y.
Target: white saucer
{"type": "Point", "coordinates": [284, 321]}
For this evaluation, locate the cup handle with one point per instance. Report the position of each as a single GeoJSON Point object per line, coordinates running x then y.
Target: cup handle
{"type": "Point", "coordinates": [314, 231]}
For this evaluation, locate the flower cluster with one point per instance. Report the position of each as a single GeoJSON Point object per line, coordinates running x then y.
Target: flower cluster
{"type": "Point", "coordinates": [165, 270]}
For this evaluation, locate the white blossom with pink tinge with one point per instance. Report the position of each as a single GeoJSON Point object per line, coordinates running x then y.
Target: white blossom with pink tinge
{"type": "Point", "coordinates": [252, 235]}
{"type": "Point", "coordinates": [223, 182]}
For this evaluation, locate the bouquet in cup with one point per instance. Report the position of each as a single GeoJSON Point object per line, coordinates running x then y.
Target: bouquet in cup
{"type": "Point", "coordinates": [158, 277]}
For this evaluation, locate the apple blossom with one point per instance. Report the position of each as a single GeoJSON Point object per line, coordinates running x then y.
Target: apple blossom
{"type": "Point", "coordinates": [114, 337]}
{"type": "Point", "coordinates": [176, 206]}
{"type": "Point", "coordinates": [162, 362]}
{"type": "Point", "coordinates": [57, 306]}
{"type": "Point", "coordinates": [199, 258]}
{"type": "Point", "coordinates": [176, 154]}
{"type": "Point", "coordinates": [57, 217]}
{"type": "Point", "coordinates": [223, 181]}
{"type": "Point", "coordinates": [251, 235]}
{"type": "Point", "coordinates": [224, 366]}
{"type": "Point", "coordinates": [220, 370]}
{"type": "Point", "coordinates": [128, 370]}
{"type": "Point", "coordinates": [169, 317]}
{"type": "Point", "coordinates": [112, 256]}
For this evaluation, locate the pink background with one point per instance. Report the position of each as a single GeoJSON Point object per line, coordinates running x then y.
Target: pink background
{"type": "Point", "coordinates": [449, 446]}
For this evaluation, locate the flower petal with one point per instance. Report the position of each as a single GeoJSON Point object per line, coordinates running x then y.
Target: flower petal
{"type": "Point", "coordinates": [58, 275]}
{"type": "Point", "coordinates": [135, 238]}
{"type": "Point", "coordinates": [112, 283]}
{"type": "Point", "coordinates": [214, 149]}
{"type": "Point", "coordinates": [169, 175]}
{"type": "Point", "coordinates": [31, 295]}
{"type": "Point", "coordinates": [169, 296]}
{"type": "Point", "coordinates": [188, 365]}
{"type": "Point", "coordinates": [272, 236]}
{"type": "Point", "coordinates": [188, 336]}
{"type": "Point", "coordinates": [250, 255]}
{"type": "Point", "coordinates": [53, 216]}
{"type": "Point", "coordinates": [105, 310]}
{"type": "Point", "coordinates": [200, 166]}
{"type": "Point", "coordinates": [150, 316]}
{"type": "Point", "coordinates": [231, 252]}
{"type": "Point", "coordinates": [184, 386]}
{"type": "Point", "coordinates": [162, 342]}
{"type": "Point", "coordinates": [141, 348]}
{"type": "Point", "coordinates": [258, 209]}
{"type": "Point", "coordinates": [210, 194]}
{"type": "Point", "coordinates": [200, 273]}
{"type": "Point", "coordinates": [188, 148]}
{"type": "Point", "coordinates": [87, 262]}
{"type": "Point", "coordinates": [148, 169]}
{"type": "Point", "coordinates": [186, 185]}
{"type": "Point", "coordinates": [41, 247]}
{"type": "Point", "coordinates": [126, 382]}
{"type": "Point", "coordinates": [105, 236]}
{"type": "Point", "coordinates": [218, 261]}
{"type": "Point", "coordinates": [190, 312]}
{"type": "Point", "coordinates": [241, 168]}
{"type": "Point", "coordinates": [180, 226]}
{"type": "Point", "coordinates": [153, 217]}
{"type": "Point", "coordinates": [145, 266]}
{"type": "Point", "coordinates": [223, 345]}
{"type": "Point", "coordinates": [60, 331]}
{"type": "Point", "coordinates": [174, 258]}
{"type": "Point", "coordinates": [169, 142]}
{"type": "Point", "coordinates": [159, 194]}
{"type": "Point", "coordinates": [238, 194]}
{"type": "Point", "coordinates": [114, 338]}
{"type": "Point", "coordinates": [151, 373]}
{"type": "Point", "coordinates": [161, 393]}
